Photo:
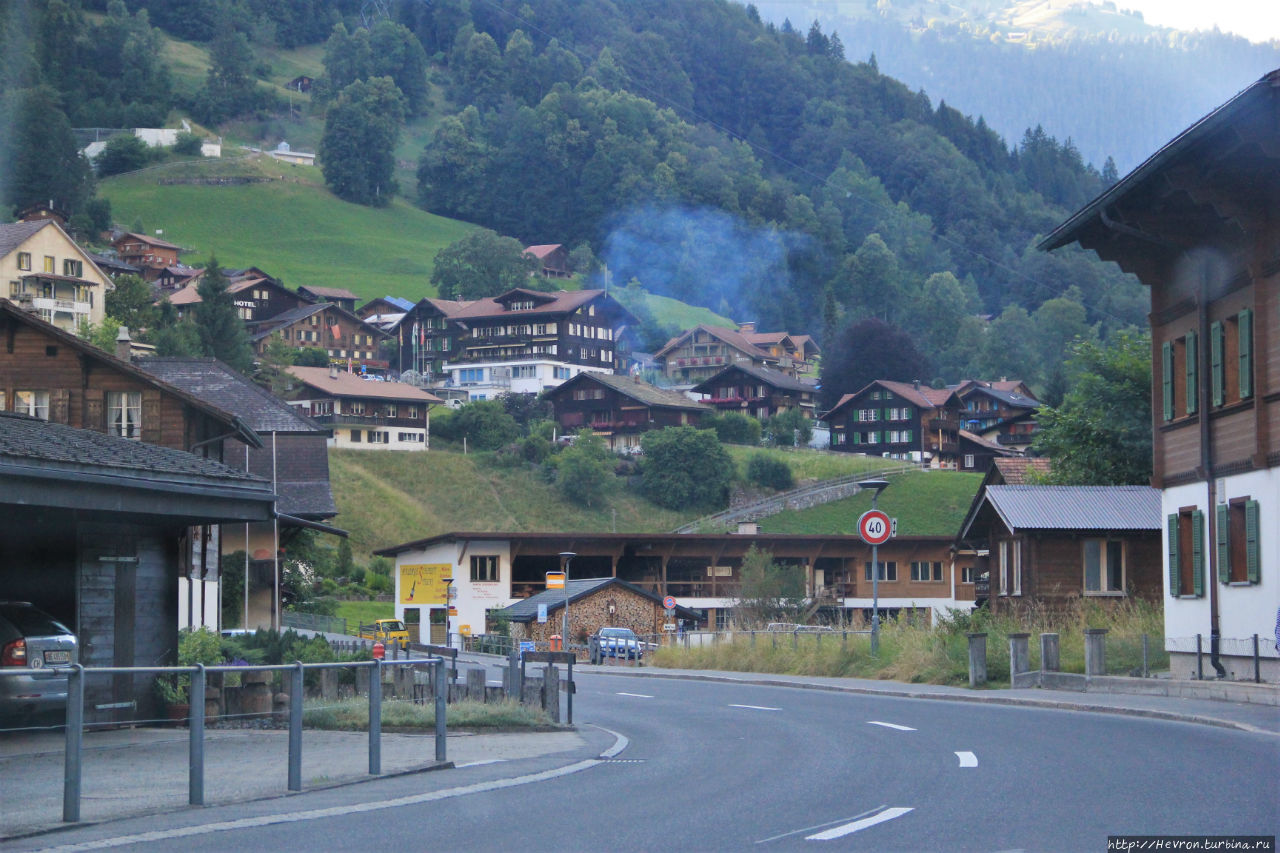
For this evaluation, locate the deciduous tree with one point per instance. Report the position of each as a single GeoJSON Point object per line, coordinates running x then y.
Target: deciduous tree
{"type": "Point", "coordinates": [685, 467]}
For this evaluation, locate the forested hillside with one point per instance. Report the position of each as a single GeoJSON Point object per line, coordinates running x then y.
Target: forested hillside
{"type": "Point", "coordinates": [695, 148]}
{"type": "Point", "coordinates": [1116, 85]}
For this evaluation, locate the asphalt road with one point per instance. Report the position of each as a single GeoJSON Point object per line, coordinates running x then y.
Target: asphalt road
{"type": "Point", "coordinates": [707, 766]}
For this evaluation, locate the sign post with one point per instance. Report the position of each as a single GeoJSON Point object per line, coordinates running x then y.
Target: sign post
{"type": "Point", "coordinates": [875, 528]}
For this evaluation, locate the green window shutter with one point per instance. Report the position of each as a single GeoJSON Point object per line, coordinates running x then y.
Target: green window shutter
{"type": "Point", "coordinates": [1197, 552]}
{"type": "Point", "coordinates": [1193, 373]}
{"type": "Point", "coordinates": [1215, 363]}
{"type": "Point", "coordinates": [1174, 575]}
{"type": "Point", "coordinates": [907, 435]}
{"type": "Point", "coordinates": [1166, 358]}
{"type": "Point", "coordinates": [1253, 552]}
{"type": "Point", "coordinates": [1246, 354]}
{"type": "Point", "coordinates": [1224, 543]}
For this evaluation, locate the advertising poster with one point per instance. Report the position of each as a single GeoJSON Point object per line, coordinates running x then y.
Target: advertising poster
{"type": "Point", "coordinates": [423, 583]}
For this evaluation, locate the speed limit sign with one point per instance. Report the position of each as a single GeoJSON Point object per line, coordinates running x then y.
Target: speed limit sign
{"type": "Point", "coordinates": [874, 527]}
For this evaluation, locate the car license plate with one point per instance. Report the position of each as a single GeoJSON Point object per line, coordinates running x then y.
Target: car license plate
{"type": "Point", "coordinates": [57, 657]}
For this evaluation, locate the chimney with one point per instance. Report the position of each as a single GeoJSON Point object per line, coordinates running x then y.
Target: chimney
{"type": "Point", "coordinates": [915, 383]}
{"type": "Point", "coordinates": [333, 371]}
{"type": "Point", "coordinates": [124, 348]}
{"type": "Point", "coordinates": [748, 528]}
{"type": "Point", "coordinates": [747, 327]}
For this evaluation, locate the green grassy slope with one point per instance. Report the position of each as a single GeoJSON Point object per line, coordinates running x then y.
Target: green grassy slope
{"type": "Point", "coordinates": [926, 503]}
{"type": "Point", "coordinates": [388, 497]}
{"type": "Point", "coordinates": [292, 227]}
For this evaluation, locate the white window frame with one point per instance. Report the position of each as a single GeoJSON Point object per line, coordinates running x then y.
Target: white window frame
{"type": "Point", "coordinates": [1104, 566]}
{"type": "Point", "coordinates": [485, 568]}
{"type": "Point", "coordinates": [1004, 567]}
{"type": "Point", "coordinates": [33, 403]}
{"type": "Point", "coordinates": [124, 414]}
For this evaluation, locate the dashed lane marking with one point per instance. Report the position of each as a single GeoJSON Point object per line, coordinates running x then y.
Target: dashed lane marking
{"type": "Point", "coordinates": [967, 759]}
{"type": "Point", "coordinates": [755, 707]}
{"type": "Point", "coordinates": [636, 695]}
{"type": "Point", "coordinates": [890, 726]}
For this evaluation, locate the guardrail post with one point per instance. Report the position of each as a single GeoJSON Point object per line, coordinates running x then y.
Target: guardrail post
{"type": "Point", "coordinates": [1019, 656]}
{"type": "Point", "coordinates": [375, 720]}
{"type": "Point", "coordinates": [571, 685]}
{"type": "Point", "coordinates": [1050, 655]}
{"type": "Point", "coordinates": [195, 739]}
{"type": "Point", "coordinates": [442, 690]}
{"type": "Point", "coordinates": [1199, 657]}
{"type": "Point", "coordinates": [71, 767]}
{"type": "Point", "coordinates": [295, 729]}
{"type": "Point", "coordinates": [1095, 651]}
{"type": "Point", "coordinates": [977, 658]}
{"type": "Point", "coordinates": [1257, 663]}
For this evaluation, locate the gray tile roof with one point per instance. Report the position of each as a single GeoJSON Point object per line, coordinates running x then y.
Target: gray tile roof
{"type": "Point", "coordinates": [1076, 507]}
{"type": "Point", "coordinates": [211, 380]}
{"type": "Point", "coordinates": [641, 391]}
{"type": "Point", "coordinates": [526, 610]}
{"type": "Point", "coordinates": [773, 378]}
{"type": "Point", "coordinates": [14, 234]}
{"type": "Point", "coordinates": [30, 440]}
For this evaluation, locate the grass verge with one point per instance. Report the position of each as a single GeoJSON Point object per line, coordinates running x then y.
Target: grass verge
{"type": "Point", "coordinates": [359, 613]}
{"type": "Point", "coordinates": [352, 715]}
{"type": "Point", "coordinates": [940, 654]}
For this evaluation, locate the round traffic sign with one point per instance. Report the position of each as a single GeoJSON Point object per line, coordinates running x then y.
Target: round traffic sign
{"type": "Point", "coordinates": [874, 527]}
{"type": "Point", "coordinates": [669, 602]}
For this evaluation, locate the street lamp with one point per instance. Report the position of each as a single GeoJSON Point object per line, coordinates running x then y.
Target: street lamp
{"type": "Point", "coordinates": [876, 486]}
{"type": "Point", "coordinates": [565, 558]}
{"type": "Point", "coordinates": [448, 582]}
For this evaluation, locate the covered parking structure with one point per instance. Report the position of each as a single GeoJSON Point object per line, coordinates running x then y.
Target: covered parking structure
{"type": "Point", "coordinates": [96, 530]}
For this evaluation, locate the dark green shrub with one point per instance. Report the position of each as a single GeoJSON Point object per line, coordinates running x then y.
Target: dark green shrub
{"type": "Point", "coordinates": [765, 470]}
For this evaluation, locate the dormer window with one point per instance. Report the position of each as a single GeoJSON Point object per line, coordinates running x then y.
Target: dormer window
{"type": "Point", "coordinates": [521, 305]}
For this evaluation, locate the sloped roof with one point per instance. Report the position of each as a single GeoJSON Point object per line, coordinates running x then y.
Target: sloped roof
{"type": "Point", "coordinates": [396, 301]}
{"type": "Point", "coordinates": [774, 378]}
{"type": "Point", "coordinates": [150, 241]}
{"type": "Point", "coordinates": [1099, 508]}
{"type": "Point", "coordinates": [190, 294]}
{"type": "Point", "coordinates": [351, 385]}
{"type": "Point", "coordinates": [542, 250]}
{"type": "Point", "coordinates": [14, 234]}
{"type": "Point", "coordinates": [561, 302]}
{"type": "Point", "coordinates": [1015, 469]}
{"type": "Point", "coordinates": [1008, 396]}
{"type": "Point", "coordinates": [330, 292]}
{"type": "Point", "coordinates": [27, 438]}
{"type": "Point", "coordinates": [214, 381]}
{"type": "Point", "coordinates": [634, 388]}
{"type": "Point", "coordinates": [982, 442]}
{"type": "Point", "coordinates": [526, 610]}
{"type": "Point", "coordinates": [925, 398]}
{"type": "Point", "coordinates": [733, 338]}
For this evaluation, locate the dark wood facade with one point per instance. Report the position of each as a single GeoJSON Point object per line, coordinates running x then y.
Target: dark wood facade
{"type": "Point", "coordinates": [344, 337]}
{"type": "Point", "coordinates": [757, 391]}
{"type": "Point", "coordinates": [899, 420]}
{"type": "Point", "coordinates": [620, 408]}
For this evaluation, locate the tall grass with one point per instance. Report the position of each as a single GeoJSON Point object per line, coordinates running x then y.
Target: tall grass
{"type": "Point", "coordinates": [938, 654]}
{"type": "Point", "coordinates": [353, 715]}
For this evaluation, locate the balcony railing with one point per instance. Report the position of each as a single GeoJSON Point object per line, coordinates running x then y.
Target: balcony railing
{"type": "Point", "coordinates": [344, 419]}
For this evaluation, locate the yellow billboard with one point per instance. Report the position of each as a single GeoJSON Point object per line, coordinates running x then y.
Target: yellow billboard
{"type": "Point", "coordinates": [423, 583]}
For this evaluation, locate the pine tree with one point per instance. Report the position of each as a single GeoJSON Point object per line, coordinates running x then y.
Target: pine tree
{"type": "Point", "coordinates": [222, 332]}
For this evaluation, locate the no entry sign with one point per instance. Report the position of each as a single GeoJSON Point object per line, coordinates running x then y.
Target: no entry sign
{"type": "Point", "coordinates": [874, 527]}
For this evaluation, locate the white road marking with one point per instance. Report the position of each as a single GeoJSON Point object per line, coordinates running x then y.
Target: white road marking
{"type": "Point", "coordinates": [478, 763]}
{"type": "Point", "coordinates": [619, 744]}
{"type": "Point", "coordinates": [890, 726]}
{"type": "Point", "coordinates": [636, 695]}
{"type": "Point", "coordinates": [967, 759]}
{"type": "Point", "coordinates": [849, 828]}
{"type": "Point", "coordinates": [820, 825]}
{"type": "Point", "coordinates": [755, 707]}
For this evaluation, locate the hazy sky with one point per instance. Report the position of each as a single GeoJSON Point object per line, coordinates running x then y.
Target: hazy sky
{"type": "Point", "coordinates": [1256, 20]}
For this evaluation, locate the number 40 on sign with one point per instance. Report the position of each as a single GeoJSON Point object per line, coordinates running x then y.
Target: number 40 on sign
{"type": "Point", "coordinates": [875, 527]}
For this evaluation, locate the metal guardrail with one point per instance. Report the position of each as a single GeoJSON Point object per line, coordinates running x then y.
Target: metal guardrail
{"type": "Point", "coordinates": [313, 622]}
{"type": "Point", "coordinates": [77, 673]}
{"type": "Point", "coordinates": [777, 503]}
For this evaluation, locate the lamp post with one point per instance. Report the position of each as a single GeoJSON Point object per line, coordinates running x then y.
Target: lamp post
{"type": "Point", "coordinates": [448, 582]}
{"type": "Point", "coordinates": [876, 486]}
{"type": "Point", "coordinates": [565, 558]}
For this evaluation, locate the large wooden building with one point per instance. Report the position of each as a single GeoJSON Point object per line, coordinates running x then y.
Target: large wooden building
{"type": "Point", "coordinates": [620, 408]}
{"type": "Point", "coordinates": [1199, 224]}
{"type": "Point", "coordinates": [899, 420]}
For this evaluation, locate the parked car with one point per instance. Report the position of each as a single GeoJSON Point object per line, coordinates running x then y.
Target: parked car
{"type": "Point", "coordinates": [43, 649]}
{"type": "Point", "coordinates": [615, 643]}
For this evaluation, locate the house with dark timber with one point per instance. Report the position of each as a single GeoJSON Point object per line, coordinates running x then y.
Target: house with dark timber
{"type": "Point", "coordinates": [760, 392]}
{"type": "Point", "coordinates": [620, 408]}
{"type": "Point", "coordinates": [1199, 224]}
{"type": "Point", "coordinates": [348, 341]}
{"type": "Point", "coordinates": [899, 420]}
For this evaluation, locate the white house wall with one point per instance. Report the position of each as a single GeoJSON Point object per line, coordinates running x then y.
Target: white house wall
{"type": "Point", "coordinates": [1244, 609]}
{"type": "Point", "coordinates": [473, 599]}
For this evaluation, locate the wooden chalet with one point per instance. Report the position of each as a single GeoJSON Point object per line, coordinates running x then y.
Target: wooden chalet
{"type": "Point", "coordinates": [345, 338]}
{"type": "Point", "coordinates": [363, 413]}
{"type": "Point", "coordinates": [258, 297]}
{"type": "Point", "coordinates": [151, 254]}
{"type": "Point", "coordinates": [43, 269]}
{"type": "Point", "coordinates": [620, 408]}
{"type": "Point", "coordinates": [977, 454]}
{"type": "Point", "coordinates": [1004, 415]}
{"type": "Point", "coordinates": [521, 341]}
{"type": "Point", "coordinates": [384, 306]}
{"type": "Point", "coordinates": [1051, 545]}
{"type": "Point", "coordinates": [339, 296]}
{"type": "Point", "coordinates": [759, 392]}
{"type": "Point", "coordinates": [1199, 224]}
{"type": "Point", "coordinates": [796, 354]}
{"type": "Point", "coordinates": [702, 352]}
{"type": "Point", "coordinates": [899, 420]}
{"type": "Point", "coordinates": [553, 260]}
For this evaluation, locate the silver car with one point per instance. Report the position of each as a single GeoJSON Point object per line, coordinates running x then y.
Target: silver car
{"type": "Point", "coordinates": [42, 649]}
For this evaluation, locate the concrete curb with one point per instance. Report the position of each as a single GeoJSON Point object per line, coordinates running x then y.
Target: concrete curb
{"type": "Point", "coordinates": [995, 699]}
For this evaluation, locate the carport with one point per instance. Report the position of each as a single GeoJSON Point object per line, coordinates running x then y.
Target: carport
{"type": "Point", "coordinates": [96, 530]}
